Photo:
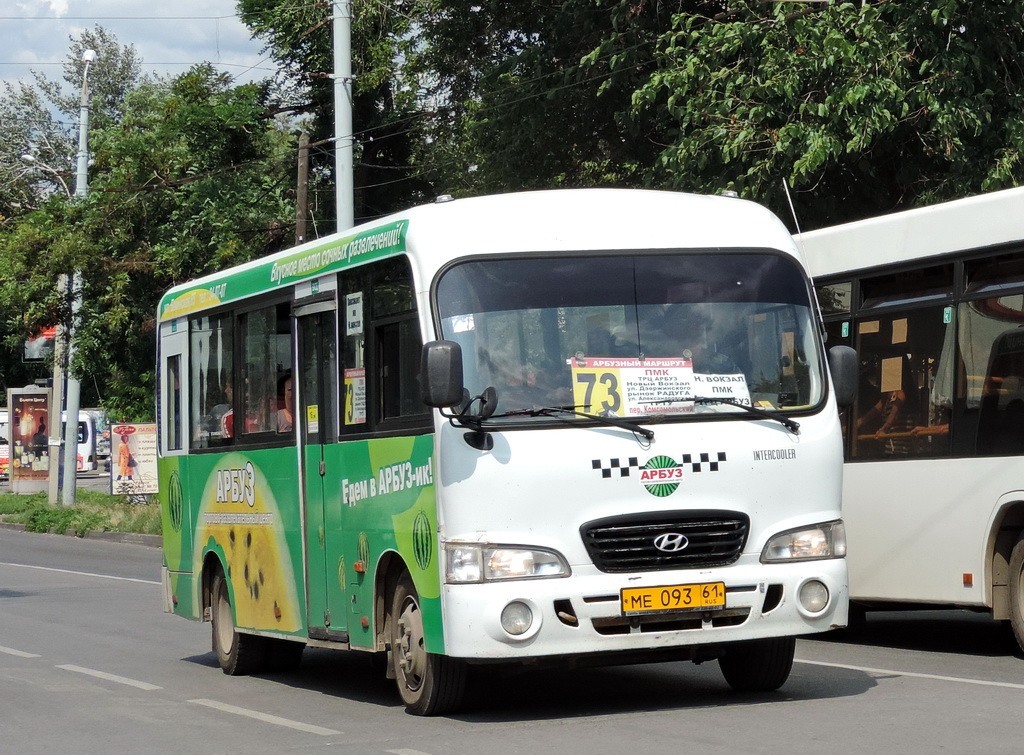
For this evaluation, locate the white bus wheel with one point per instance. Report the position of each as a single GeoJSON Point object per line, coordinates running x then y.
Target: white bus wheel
{"type": "Point", "coordinates": [1017, 592]}
{"type": "Point", "coordinates": [429, 684]}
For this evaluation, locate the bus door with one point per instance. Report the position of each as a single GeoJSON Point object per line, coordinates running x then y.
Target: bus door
{"type": "Point", "coordinates": [318, 417]}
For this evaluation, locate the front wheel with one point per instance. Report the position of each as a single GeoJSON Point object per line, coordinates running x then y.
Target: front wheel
{"type": "Point", "coordinates": [1017, 592]}
{"type": "Point", "coordinates": [429, 684]}
{"type": "Point", "coordinates": [238, 654]}
{"type": "Point", "coordinates": [758, 665]}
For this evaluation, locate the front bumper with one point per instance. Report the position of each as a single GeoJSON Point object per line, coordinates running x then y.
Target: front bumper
{"type": "Point", "coordinates": [581, 615]}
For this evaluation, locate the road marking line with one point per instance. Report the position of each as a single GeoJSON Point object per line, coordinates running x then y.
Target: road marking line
{"type": "Point", "coordinates": [407, 752]}
{"type": "Point", "coordinates": [936, 677]}
{"type": "Point", "coordinates": [19, 653]}
{"type": "Point", "coordinates": [266, 717]}
{"type": "Point", "coordinates": [109, 677]}
{"type": "Point", "coordinates": [84, 573]}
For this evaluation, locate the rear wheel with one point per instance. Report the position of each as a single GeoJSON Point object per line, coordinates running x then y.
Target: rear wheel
{"type": "Point", "coordinates": [1017, 592]}
{"type": "Point", "coordinates": [758, 665]}
{"type": "Point", "coordinates": [238, 654]}
{"type": "Point", "coordinates": [429, 684]}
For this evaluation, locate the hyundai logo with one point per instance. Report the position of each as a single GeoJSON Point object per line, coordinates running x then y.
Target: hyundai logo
{"type": "Point", "coordinates": [671, 542]}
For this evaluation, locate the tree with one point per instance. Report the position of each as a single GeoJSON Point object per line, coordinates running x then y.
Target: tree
{"type": "Point", "coordinates": [40, 119]}
{"type": "Point", "coordinates": [864, 108]}
{"type": "Point", "coordinates": [191, 177]}
{"type": "Point", "coordinates": [538, 95]}
{"type": "Point", "coordinates": [386, 115]}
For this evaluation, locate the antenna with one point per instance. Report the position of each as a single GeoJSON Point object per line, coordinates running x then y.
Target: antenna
{"type": "Point", "coordinates": [792, 209]}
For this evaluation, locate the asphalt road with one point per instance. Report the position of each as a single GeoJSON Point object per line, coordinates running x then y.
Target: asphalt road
{"type": "Point", "coordinates": [90, 663]}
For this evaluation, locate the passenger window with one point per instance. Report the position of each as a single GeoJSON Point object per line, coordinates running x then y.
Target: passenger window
{"type": "Point", "coordinates": [906, 384]}
{"type": "Point", "coordinates": [210, 386]}
{"type": "Point", "coordinates": [381, 347]}
{"type": "Point", "coordinates": [992, 359]}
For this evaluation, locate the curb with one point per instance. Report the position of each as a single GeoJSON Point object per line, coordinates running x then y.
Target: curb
{"type": "Point", "coordinates": [135, 538]}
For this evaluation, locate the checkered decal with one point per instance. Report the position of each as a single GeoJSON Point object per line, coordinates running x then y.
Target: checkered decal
{"type": "Point", "coordinates": [606, 471]}
{"type": "Point", "coordinates": [698, 466]}
{"type": "Point", "coordinates": [696, 462]}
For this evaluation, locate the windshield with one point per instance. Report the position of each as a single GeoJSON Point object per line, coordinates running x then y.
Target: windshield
{"type": "Point", "coordinates": [629, 335]}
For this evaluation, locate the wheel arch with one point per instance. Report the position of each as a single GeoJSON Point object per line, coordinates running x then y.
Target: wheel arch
{"type": "Point", "coordinates": [213, 563]}
{"type": "Point", "coordinates": [390, 568]}
{"type": "Point", "coordinates": [1007, 528]}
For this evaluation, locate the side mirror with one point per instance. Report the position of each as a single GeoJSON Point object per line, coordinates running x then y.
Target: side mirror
{"type": "Point", "coordinates": [441, 374]}
{"type": "Point", "coordinates": [842, 363]}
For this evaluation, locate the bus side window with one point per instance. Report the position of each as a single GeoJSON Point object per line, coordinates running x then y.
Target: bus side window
{"type": "Point", "coordinates": [210, 361]}
{"type": "Point", "coordinates": [174, 419]}
{"type": "Point", "coordinates": [992, 355]}
{"type": "Point", "coordinates": [906, 384]}
{"type": "Point", "coordinates": [398, 350]}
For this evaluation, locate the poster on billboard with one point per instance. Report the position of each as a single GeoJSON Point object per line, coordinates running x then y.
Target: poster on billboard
{"type": "Point", "coordinates": [133, 458]}
{"type": "Point", "coordinates": [29, 450]}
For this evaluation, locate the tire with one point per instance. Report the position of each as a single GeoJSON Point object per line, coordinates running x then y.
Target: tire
{"type": "Point", "coordinates": [1017, 592]}
{"type": "Point", "coordinates": [428, 684]}
{"type": "Point", "coordinates": [758, 665]}
{"type": "Point", "coordinates": [283, 655]}
{"type": "Point", "coordinates": [238, 654]}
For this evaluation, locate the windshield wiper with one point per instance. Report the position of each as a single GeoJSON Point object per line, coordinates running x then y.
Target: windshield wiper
{"type": "Point", "coordinates": [552, 411]}
{"type": "Point", "coordinates": [790, 424]}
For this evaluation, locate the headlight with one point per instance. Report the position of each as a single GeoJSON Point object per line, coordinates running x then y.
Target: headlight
{"type": "Point", "coordinates": [826, 540]}
{"type": "Point", "coordinates": [488, 563]}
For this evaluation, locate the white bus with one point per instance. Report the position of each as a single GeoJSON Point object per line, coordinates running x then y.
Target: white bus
{"type": "Point", "coordinates": [932, 299]}
{"type": "Point", "coordinates": [586, 426]}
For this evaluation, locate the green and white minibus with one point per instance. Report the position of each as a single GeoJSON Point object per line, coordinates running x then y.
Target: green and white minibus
{"type": "Point", "coordinates": [586, 426]}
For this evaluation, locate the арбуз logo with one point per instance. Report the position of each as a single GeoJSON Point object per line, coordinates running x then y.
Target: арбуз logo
{"type": "Point", "coordinates": [660, 475]}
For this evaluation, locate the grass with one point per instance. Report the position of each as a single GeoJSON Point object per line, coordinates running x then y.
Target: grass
{"type": "Point", "coordinates": [92, 512]}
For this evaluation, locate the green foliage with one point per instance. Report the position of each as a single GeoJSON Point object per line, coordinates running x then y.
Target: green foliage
{"type": "Point", "coordinates": [865, 108]}
{"type": "Point", "coordinates": [192, 176]}
{"type": "Point", "coordinates": [387, 108]}
{"type": "Point", "coordinates": [93, 512]}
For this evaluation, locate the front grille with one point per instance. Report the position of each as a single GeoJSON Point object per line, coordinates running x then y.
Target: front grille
{"type": "Point", "coordinates": [626, 543]}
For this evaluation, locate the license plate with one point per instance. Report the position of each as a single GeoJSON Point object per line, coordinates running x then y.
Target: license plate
{"type": "Point", "coordinates": [666, 598]}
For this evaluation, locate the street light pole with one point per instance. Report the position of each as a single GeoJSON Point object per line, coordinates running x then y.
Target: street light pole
{"type": "Point", "coordinates": [59, 368]}
{"type": "Point", "coordinates": [73, 387]}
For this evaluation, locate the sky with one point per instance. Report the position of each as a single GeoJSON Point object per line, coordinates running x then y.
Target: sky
{"type": "Point", "coordinates": [169, 36]}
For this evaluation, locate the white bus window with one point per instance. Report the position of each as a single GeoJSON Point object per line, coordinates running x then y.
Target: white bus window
{"type": "Point", "coordinates": [902, 409]}
{"type": "Point", "coordinates": [992, 355]}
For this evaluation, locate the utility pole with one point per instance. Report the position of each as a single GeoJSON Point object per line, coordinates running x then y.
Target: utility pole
{"type": "Point", "coordinates": [343, 135]}
{"type": "Point", "coordinates": [73, 386]}
{"type": "Point", "coordinates": [302, 190]}
{"type": "Point", "coordinates": [56, 407]}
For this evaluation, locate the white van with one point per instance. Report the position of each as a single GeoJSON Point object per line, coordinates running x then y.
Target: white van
{"type": "Point", "coordinates": [87, 455]}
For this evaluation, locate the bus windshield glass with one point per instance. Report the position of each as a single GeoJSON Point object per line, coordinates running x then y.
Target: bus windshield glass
{"type": "Point", "coordinates": [635, 336]}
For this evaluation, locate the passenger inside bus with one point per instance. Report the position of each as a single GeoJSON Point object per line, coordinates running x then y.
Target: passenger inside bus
{"type": "Point", "coordinates": [284, 399]}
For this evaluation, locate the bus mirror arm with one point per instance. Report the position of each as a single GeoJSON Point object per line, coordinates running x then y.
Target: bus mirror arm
{"type": "Point", "coordinates": [441, 374]}
{"type": "Point", "coordinates": [842, 363]}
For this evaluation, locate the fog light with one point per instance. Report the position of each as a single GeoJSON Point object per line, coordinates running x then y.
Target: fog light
{"type": "Point", "coordinates": [813, 596]}
{"type": "Point", "coordinates": [516, 618]}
